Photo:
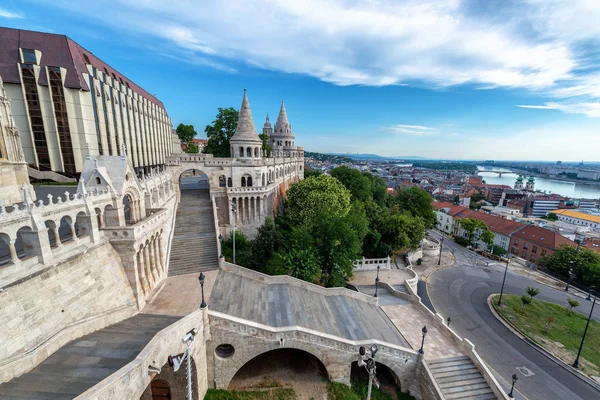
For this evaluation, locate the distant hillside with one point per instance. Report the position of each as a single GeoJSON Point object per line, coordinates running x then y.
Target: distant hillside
{"type": "Point", "coordinates": [332, 158]}
{"type": "Point", "coordinates": [361, 156]}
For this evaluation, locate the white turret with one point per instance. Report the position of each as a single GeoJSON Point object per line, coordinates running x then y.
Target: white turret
{"type": "Point", "coordinates": [282, 134]}
{"type": "Point", "coordinates": [245, 142]}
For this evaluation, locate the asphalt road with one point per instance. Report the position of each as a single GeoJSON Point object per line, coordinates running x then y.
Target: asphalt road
{"type": "Point", "coordinates": [461, 292]}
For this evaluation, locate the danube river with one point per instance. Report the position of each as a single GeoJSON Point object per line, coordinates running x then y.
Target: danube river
{"type": "Point", "coordinates": [569, 189]}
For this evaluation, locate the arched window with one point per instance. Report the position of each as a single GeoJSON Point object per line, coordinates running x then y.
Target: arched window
{"type": "Point", "coordinates": [222, 181]}
{"type": "Point", "coordinates": [160, 390]}
{"type": "Point", "coordinates": [98, 181]}
{"type": "Point", "coordinates": [256, 152]}
{"type": "Point", "coordinates": [243, 181]}
{"type": "Point", "coordinates": [263, 179]}
{"type": "Point", "coordinates": [241, 152]}
{"type": "Point", "coordinates": [249, 181]}
{"type": "Point", "coordinates": [229, 182]}
{"type": "Point", "coordinates": [248, 152]}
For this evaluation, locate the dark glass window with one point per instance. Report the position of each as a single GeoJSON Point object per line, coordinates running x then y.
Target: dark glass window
{"type": "Point", "coordinates": [35, 116]}
{"type": "Point", "coordinates": [29, 56]}
{"type": "Point", "coordinates": [62, 121]}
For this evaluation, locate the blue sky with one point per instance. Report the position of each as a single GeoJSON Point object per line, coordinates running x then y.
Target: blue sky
{"type": "Point", "coordinates": [466, 79]}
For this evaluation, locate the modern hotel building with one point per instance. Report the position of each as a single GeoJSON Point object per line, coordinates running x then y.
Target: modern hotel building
{"type": "Point", "coordinates": [67, 103]}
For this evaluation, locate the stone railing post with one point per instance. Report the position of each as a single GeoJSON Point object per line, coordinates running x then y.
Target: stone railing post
{"type": "Point", "coordinates": [36, 243]}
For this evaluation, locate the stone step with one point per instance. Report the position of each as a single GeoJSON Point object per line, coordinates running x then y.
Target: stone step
{"type": "Point", "coordinates": [453, 368]}
{"type": "Point", "coordinates": [454, 373]}
{"type": "Point", "coordinates": [459, 377]}
{"type": "Point", "coordinates": [465, 388]}
{"type": "Point", "coordinates": [444, 360]}
{"type": "Point", "coordinates": [449, 364]}
{"type": "Point", "coordinates": [461, 382]}
{"type": "Point", "coordinates": [471, 394]}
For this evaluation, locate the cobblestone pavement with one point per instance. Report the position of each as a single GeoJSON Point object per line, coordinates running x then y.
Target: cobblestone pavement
{"type": "Point", "coordinates": [181, 294]}
{"type": "Point", "coordinates": [410, 320]}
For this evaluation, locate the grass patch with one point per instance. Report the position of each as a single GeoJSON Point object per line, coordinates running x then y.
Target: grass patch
{"type": "Point", "coordinates": [562, 338]}
{"type": "Point", "coordinates": [268, 394]}
{"type": "Point", "coordinates": [339, 391]}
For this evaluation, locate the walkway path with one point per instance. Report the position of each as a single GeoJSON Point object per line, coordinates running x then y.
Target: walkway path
{"type": "Point", "coordinates": [80, 364]}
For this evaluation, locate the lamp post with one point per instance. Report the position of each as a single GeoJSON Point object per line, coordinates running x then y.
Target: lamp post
{"type": "Point", "coordinates": [366, 360]}
{"type": "Point", "coordinates": [175, 361]}
{"type": "Point", "coordinates": [424, 332]}
{"type": "Point", "coordinates": [234, 210]}
{"type": "Point", "coordinates": [221, 244]}
{"type": "Point", "coordinates": [201, 279]}
{"type": "Point", "coordinates": [570, 275]}
{"type": "Point", "coordinates": [512, 388]}
{"type": "Point", "coordinates": [441, 248]}
{"type": "Point", "coordinates": [503, 280]}
{"type": "Point", "coordinates": [448, 321]}
{"type": "Point", "coordinates": [576, 363]}
{"type": "Point", "coordinates": [377, 281]}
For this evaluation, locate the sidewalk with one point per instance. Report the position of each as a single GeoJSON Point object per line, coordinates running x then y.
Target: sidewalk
{"type": "Point", "coordinates": [430, 264]}
{"type": "Point", "coordinates": [544, 279]}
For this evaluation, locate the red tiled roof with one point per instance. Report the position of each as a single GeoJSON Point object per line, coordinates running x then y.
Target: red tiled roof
{"type": "Point", "coordinates": [541, 236]}
{"type": "Point", "coordinates": [57, 51]}
{"type": "Point", "coordinates": [497, 224]}
{"type": "Point", "coordinates": [453, 209]}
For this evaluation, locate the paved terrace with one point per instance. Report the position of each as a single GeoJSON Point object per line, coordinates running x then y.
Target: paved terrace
{"type": "Point", "coordinates": [283, 302]}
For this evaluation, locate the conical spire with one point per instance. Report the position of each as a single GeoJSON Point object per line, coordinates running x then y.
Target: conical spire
{"type": "Point", "coordinates": [245, 128]}
{"type": "Point", "coordinates": [282, 126]}
{"type": "Point", "coordinates": [267, 122]}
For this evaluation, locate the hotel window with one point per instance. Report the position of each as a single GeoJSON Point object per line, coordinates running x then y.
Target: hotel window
{"type": "Point", "coordinates": [516, 242]}
{"type": "Point", "coordinates": [62, 121]}
{"type": "Point", "coordinates": [35, 115]}
{"type": "Point", "coordinates": [525, 245]}
{"type": "Point", "coordinates": [534, 250]}
{"type": "Point", "coordinates": [524, 255]}
{"type": "Point", "coordinates": [543, 252]}
{"type": "Point", "coordinates": [29, 56]}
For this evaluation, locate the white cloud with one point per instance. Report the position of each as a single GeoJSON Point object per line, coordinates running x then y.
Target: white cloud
{"type": "Point", "coordinates": [591, 109]}
{"type": "Point", "coordinates": [9, 14]}
{"type": "Point", "coordinates": [413, 130]}
{"type": "Point", "coordinates": [385, 42]}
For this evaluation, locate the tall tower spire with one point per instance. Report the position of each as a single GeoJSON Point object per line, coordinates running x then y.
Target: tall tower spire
{"type": "Point", "coordinates": [245, 141]}
{"type": "Point", "coordinates": [267, 128]}
{"type": "Point", "coordinates": [282, 126]}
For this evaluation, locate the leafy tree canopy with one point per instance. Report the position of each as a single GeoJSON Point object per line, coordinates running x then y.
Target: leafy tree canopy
{"type": "Point", "coordinates": [586, 264]}
{"type": "Point", "coordinates": [220, 132]}
{"type": "Point", "coordinates": [356, 182]}
{"type": "Point", "coordinates": [416, 201]}
{"type": "Point", "coordinates": [312, 195]}
{"type": "Point", "coordinates": [186, 134]}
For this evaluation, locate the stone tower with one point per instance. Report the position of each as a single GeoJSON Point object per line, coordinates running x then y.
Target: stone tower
{"type": "Point", "coordinates": [282, 138]}
{"type": "Point", "coordinates": [267, 129]}
{"type": "Point", "coordinates": [14, 179]}
{"type": "Point", "coordinates": [519, 183]}
{"type": "Point", "coordinates": [245, 142]}
{"type": "Point", "coordinates": [530, 185]}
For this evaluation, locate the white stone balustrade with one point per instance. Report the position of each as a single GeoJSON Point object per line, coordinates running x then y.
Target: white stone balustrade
{"type": "Point", "coordinates": [369, 264]}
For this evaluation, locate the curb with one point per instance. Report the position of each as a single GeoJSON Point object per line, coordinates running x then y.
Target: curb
{"type": "Point", "coordinates": [539, 348]}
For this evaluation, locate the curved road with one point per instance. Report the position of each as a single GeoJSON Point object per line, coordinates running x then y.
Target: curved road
{"type": "Point", "coordinates": [461, 292]}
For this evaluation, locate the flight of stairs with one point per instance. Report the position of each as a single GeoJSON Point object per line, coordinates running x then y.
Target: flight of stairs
{"type": "Point", "coordinates": [459, 379]}
{"type": "Point", "coordinates": [194, 247]}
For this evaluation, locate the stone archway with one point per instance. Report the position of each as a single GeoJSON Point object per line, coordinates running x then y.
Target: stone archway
{"type": "Point", "coordinates": [287, 367]}
{"type": "Point", "coordinates": [388, 379]}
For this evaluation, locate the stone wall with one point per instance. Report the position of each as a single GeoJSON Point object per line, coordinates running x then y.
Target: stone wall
{"type": "Point", "coordinates": [427, 385]}
{"type": "Point", "coordinates": [82, 294]}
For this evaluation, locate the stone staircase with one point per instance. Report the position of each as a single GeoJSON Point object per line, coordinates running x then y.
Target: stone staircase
{"type": "Point", "coordinates": [459, 379]}
{"type": "Point", "coordinates": [194, 246]}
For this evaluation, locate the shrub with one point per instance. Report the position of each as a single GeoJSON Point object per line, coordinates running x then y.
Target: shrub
{"type": "Point", "coordinates": [462, 241]}
{"type": "Point", "coordinates": [526, 300]}
{"type": "Point", "coordinates": [419, 261]}
{"type": "Point", "coordinates": [572, 304]}
{"type": "Point", "coordinates": [532, 292]}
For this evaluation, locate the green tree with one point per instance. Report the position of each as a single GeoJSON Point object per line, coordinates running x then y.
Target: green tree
{"type": "Point", "coordinates": [552, 217]}
{"type": "Point", "coordinates": [402, 230]}
{"type": "Point", "coordinates": [265, 143]}
{"type": "Point", "coordinates": [586, 264]}
{"type": "Point", "coordinates": [525, 301]}
{"type": "Point", "coordinates": [243, 249]}
{"type": "Point", "coordinates": [308, 172]}
{"type": "Point", "coordinates": [299, 258]}
{"type": "Point", "coordinates": [532, 292]}
{"type": "Point", "coordinates": [417, 202]}
{"type": "Point", "coordinates": [476, 228]}
{"type": "Point", "coordinates": [220, 132]}
{"type": "Point", "coordinates": [356, 182]}
{"type": "Point", "coordinates": [310, 196]}
{"type": "Point", "coordinates": [186, 134]}
{"type": "Point", "coordinates": [264, 245]}
{"type": "Point", "coordinates": [572, 304]}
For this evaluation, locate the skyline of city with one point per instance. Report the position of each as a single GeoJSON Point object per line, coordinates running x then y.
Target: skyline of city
{"type": "Point", "coordinates": [398, 89]}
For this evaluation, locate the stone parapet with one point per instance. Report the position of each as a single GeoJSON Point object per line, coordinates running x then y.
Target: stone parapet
{"type": "Point", "coordinates": [131, 381]}
{"type": "Point", "coordinates": [288, 280]}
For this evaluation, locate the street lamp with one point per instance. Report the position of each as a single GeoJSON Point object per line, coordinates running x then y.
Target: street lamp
{"type": "Point", "coordinates": [441, 248]}
{"type": "Point", "coordinates": [175, 361]}
{"type": "Point", "coordinates": [234, 210]}
{"type": "Point", "coordinates": [377, 281]}
{"type": "Point", "coordinates": [570, 275]}
{"type": "Point", "coordinates": [514, 380]}
{"type": "Point", "coordinates": [576, 363]}
{"type": "Point", "coordinates": [424, 332]}
{"type": "Point", "coordinates": [201, 279]}
{"type": "Point", "coordinates": [221, 243]}
{"type": "Point", "coordinates": [503, 280]}
{"type": "Point", "coordinates": [448, 321]}
{"type": "Point", "coordinates": [366, 360]}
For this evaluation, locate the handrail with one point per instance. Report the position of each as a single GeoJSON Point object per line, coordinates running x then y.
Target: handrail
{"type": "Point", "coordinates": [217, 229]}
